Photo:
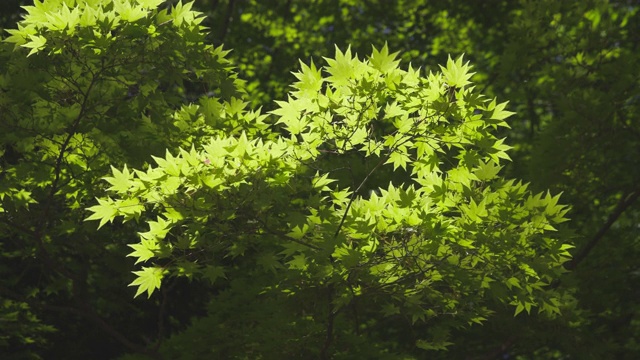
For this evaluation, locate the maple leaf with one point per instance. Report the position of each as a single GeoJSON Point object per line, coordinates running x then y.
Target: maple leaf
{"type": "Point", "coordinates": [120, 181]}
{"type": "Point", "coordinates": [384, 61]}
{"type": "Point", "coordinates": [149, 279]}
{"type": "Point", "coordinates": [145, 250]}
{"type": "Point", "coordinates": [105, 211]}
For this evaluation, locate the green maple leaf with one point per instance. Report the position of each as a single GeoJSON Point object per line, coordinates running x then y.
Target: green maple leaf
{"type": "Point", "coordinates": [523, 306]}
{"type": "Point", "coordinates": [383, 61]}
{"type": "Point", "coordinates": [461, 176]}
{"type": "Point", "coordinates": [157, 229]}
{"type": "Point", "coordinates": [412, 76]}
{"type": "Point", "coordinates": [321, 182]}
{"type": "Point", "coordinates": [120, 181]}
{"type": "Point", "coordinates": [342, 68]}
{"type": "Point", "coordinates": [22, 198]}
{"type": "Point", "coordinates": [398, 159]}
{"type": "Point", "coordinates": [393, 110]}
{"type": "Point", "coordinates": [310, 79]}
{"type": "Point", "coordinates": [299, 262]}
{"type": "Point", "coordinates": [487, 171]}
{"type": "Point", "coordinates": [477, 211]}
{"type": "Point", "coordinates": [128, 12]}
{"type": "Point", "coordinates": [149, 279]}
{"type": "Point", "coordinates": [456, 73]}
{"type": "Point", "coordinates": [289, 112]}
{"type": "Point", "coordinates": [341, 196]}
{"type": "Point", "coordinates": [235, 106]}
{"type": "Point", "coordinates": [105, 211]}
{"type": "Point", "coordinates": [36, 44]}
{"type": "Point", "coordinates": [498, 114]}
{"type": "Point", "coordinates": [212, 273]}
{"type": "Point", "coordinates": [513, 282]}
{"type": "Point", "coordinates": [499, 150]}
{"type": "Point", "coordinates": [145, 250]}
{"type": "Point", "coordinates": [180, 12]}
{"type": "Point", "coordinates": [169, 164]}
{"type": "Point", "coordinates": [150, 4]}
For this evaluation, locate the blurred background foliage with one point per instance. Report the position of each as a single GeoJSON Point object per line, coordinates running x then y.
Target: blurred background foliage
{"type": "Point", "coordinates": [570, 70]}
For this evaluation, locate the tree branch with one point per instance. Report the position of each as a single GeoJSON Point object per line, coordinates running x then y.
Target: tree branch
{"type": "Point", "coordinates": [330, 319]}
{"type": "Point", "coordinates": [227, 21]}
{"type": "Point", "coordinates": [620, 208]}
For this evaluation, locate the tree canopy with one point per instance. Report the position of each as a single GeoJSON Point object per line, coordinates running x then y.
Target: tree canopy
{"type": "Point", "coordinates": [335, 180]}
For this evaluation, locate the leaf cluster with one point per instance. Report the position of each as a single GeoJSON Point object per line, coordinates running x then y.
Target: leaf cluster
{"type": "Point", "coordinates": [424, 228]}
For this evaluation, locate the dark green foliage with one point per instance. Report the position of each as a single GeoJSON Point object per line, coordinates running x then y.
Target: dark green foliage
{"type": "Point", "coordinates": [86, 97]}
{"type": "Point", "coordinates": [234, 280]}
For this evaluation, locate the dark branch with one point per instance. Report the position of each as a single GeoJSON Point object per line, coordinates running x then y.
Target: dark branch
{"type": "Point", "coordinates": [623, 205]}
{"type": "Point", "coordinates": [330, 319]}
{"type": "Point", "coordinates": [227, 21]}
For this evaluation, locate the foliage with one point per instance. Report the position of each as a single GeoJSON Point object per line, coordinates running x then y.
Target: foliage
{"type": "Point", "coordinates": [568, 69]}
{"type": "Point", "coordinates": [292, 201]}
{"type": "Point", "coordinates": [582, 102]}
{"type": "Point", "coordinates": [86, 85]}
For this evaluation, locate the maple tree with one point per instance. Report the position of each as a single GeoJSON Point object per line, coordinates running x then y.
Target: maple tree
{"type": "Point", "coordinates": [568, 70]}
{"type": "Point", "coordinates": [85, 87]}
{"type": "Point", "coordinates": [253, 195]}
{"type": "Point", "coordinates": [368, 210]}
